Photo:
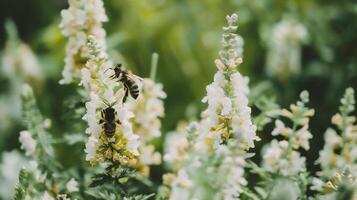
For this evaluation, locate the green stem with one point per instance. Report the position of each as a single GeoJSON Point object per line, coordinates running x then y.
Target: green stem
{"type": "Point", "coordinates": [154, 61]}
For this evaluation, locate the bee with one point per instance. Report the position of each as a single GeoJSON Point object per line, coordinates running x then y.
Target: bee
{"type": "Point", "coordinates": [109, 120]}
{"type": "Point", "coordinates": [128, 81]}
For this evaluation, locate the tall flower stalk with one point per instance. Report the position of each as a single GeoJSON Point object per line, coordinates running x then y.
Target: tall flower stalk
{"type": "Point", "coordinates": [282, 157]}
{"type": "Point", "coordinates": [87, 60]}
{"type": "Point", "coordinates": [40, 178]}
{"type": "Point", "coordinates": [148, 109]}
{"type": "Point", "coordinates": [228, 113]}
{"type": "Point", "coordinates": [338, 158]}
{"type": "Point", "coordinates": [284, 49]}
{"type": "Point", "coordinates": [218, 144]}
{"type": "Point", "coordinates": [81, 19]}
{"type": "Point", "coordinates": [103, 92]}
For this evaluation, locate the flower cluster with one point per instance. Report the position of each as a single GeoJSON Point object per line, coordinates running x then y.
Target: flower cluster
{"type": "Point", "coordinates": [148, 109]}
{"type": "Point", "coordinates": [106, 92]}
{"type": "Point", "coordinates": [217, 145]}
{"type": "Point", "coordinates": [27, 142]}
{"type": "Point", "coordinates": [340, 151]}
{"type": "Point", "coordinates": [81, 19]}
{"type": "Point", "coordinates": [282, 157]}
{"type": "Point", "coordinates": [10, 166]}
{"type": "Point", "coordinates": [284, 49]}
{"type": "Point", "coordinates": [34, 179]}
{"type": "Point", "coordinates": [228, 113]}
{"type": "Point", "coordinates": [19, 64]}
{"type": "Point", "coordinates": [176, 147]}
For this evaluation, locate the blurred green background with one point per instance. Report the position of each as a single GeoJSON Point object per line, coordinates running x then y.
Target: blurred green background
{"type": "Point", "coordinates": [186, 34]}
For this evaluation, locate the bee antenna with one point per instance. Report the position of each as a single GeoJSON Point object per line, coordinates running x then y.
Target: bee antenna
{"type": "Point", "coordinates": [105, 102]}
{"type": "Point", "coordinates": [108, 69]}
{"type": "Point", "coordinates": [112, 104]}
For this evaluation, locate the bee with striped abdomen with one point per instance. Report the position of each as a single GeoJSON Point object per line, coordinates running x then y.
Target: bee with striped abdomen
{"type": "Point", "coordinates": [109, 120]}
{"type": "Point", "coordinates": [128, 81]}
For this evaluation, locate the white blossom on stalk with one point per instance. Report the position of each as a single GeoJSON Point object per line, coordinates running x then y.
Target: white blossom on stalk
{"type": "Point", "coordinates": [63, 197]}
{"type": "Point", "coordinates": [10, 166]}
{"type": "Point", "coordinates": [33, 168]}
{"type": "Point", "coordinates": [282, 157]}
{"type": "Point", "coordinates": [284, 49]}
{"type": "Point", "coordinates": [175, 147]}
{"type": "Point", "coordinates": [123, 146]}
{"type": "Point", "coordinates": [232, 168]}
{"type": "Point", "coordinates": [81, 19]}
{"type": "Point", "coordinates": [148, 108]}
{"type": "Point", "coordinates": [19, 61]}
{"type": "Point", "coordinates": [213, 159]}
{"type": "Point", "coordinates": [339, 154]}
{"type": "Point", "coordinates": [19, 64]}
{"type": "Point", "coordinates": [276, 161]}
{"type": "Point", "coordinates": [72, 185]}
{"type": "Point", "coordinates": [228, 112]}
{"type": "Point", "coordinates": [181, 184]}
{"type": "Point", "coordinates": [27, 142]}
{"type": "Point", "coordinates": [47, 196]}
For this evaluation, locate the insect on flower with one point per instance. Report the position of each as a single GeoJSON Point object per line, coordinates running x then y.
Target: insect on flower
{"type": "Point", "coordinates": [109, 120]}
{"type": "Point", "coordinates": [127, 78]}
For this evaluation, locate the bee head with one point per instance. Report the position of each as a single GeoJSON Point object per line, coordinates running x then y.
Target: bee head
{"type": "Point", "coordinates": [118, 69]}
{"type": "Point", "coordinates": [107, 104]}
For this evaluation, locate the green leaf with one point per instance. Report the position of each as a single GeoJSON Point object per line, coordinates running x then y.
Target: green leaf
{"type": "Point", "coordinates": [21, 187]}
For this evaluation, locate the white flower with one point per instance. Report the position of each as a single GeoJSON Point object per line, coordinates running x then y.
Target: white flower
{"type": "Point", "coordinates": [327, 158]}
{"type": "Point", "coordinates": [72, 185]}
{"type": "Point", "coordinates": [86, 77]}
{"type": "Point", "coordinates": [223, 135]}
{"type": "Point", "coordinates": [91, 147]}
{"type": "Point", "coordinates": [148, 156]}
{"type": "Point", "coordinates": [340, 150]}
{"type": "Point", "coordinates": [317, 184]}
{"type": "Point", "coordinates": [91, 116]}
{"type": "Point", "coordinates": [232, 20]}
{"type": "Point", "coordinates": [148, 110]}
{"type": "Point", "coordinates": [27, 142]}
{"type": "Point", "coordinates": [284, 46]}
{"type": "Point", "coordinates": [283, 157]}
{"type": "Point", "coordinates": [33, 168]}
{"type": "Point", "coordinates": [182, 180]}
{"type": "Point", "coordinates": [63, 197]}
{"type": "Point", "coordinates": [302, 137]}
{"type": "Point", "coordinates": [280, 129]}
{"type": "Point", "coordinates": [19, 62]}
{"type": "Point", "coordinates": [175, 147]}
{"type": "Point", "coordinates": [11, 164]}
{"type": "Point", "coordinates": [234, 177]}
{"type": "Point", "coordinates": [271, 156]}
{"type": "Point", "coordinates": [276, 159]}
{"type": "Point", "coordinates": [47, 196]}
{"type": "Point", "coordinates": [81, 19]}
{"type": "Point", "coordinates": [124, 115]}
{"type": "Point", "coordinates": [293, 165]}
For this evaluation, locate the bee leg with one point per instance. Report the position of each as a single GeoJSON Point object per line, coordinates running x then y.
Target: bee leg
{"type": "Point", "coordinates": [112, 76]}
{"type": "Point", "coordinates": [126, 94]}
{"type": "Point", "coordinates": [101, 120]}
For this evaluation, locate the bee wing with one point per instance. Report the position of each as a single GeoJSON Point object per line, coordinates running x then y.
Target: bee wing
{"type": "Point", "coordinates": [136, 77]}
